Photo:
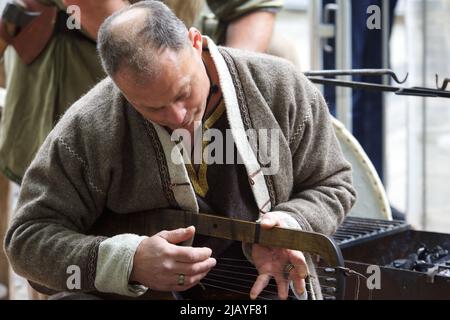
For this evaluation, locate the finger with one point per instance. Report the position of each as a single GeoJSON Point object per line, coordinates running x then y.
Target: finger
{"type": "Point", "coordinates": [190, 254]}
{"type": "Point", "coordinates": [178, 235]}
{"type": "Point", "coordinates": [298, 260]}
{"type": "Point", "coordinates": [269, 220]}
{"type": "Point", "coordinates": [194, 280]}
{"type": "Point", "coordinates": [192, 269]}
{"type": "Point", "coordinates": [282, 285]}
{"type": "Point", "coordinates": [299, 283]}
{"type": "Point", "coordinates": [189, 282]}
{"type": "Point", "coordinates": [261, 282]}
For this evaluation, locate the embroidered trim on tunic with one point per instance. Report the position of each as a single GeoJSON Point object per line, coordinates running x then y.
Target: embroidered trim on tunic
{"type": "Point", "coordinates": [92, 263]}
{"type": "Point", "coordinates": [199, 181]}
{"type": "Point", "coordinates": [162, 165]}
{"type": "Point", "coordinates": [84, 165]}
{"type": "Point", "coordinates": [243, 106]}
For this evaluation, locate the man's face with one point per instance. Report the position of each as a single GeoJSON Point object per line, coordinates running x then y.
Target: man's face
{"type": "Point", "coordinates": [176, 97]}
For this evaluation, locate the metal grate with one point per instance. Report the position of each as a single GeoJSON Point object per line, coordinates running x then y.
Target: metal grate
{"type": "Point", "coordinates": [359, 230]}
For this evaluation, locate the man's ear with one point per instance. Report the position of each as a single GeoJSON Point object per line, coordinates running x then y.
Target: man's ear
{"type": "Point", "coordinates": [195, 37]}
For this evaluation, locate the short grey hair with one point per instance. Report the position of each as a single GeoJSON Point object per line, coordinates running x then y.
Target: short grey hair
{"type": "Point", "coordinates": [135, 44]}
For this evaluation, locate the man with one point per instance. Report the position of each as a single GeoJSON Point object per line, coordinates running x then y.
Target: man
{"type": "Point", "coordinates": [114, 151]}
{"type": "Point", "coordinates": [39, 93]}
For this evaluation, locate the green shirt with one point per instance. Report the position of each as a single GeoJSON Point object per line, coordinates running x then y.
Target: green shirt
{"type": "Point", "coordinates": [38, 94]}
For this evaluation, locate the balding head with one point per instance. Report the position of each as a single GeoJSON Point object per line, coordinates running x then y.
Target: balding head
{"type": "Point", "coordinates": [133, 37]}
{"type": "Point", "coordinates": [128, 23]}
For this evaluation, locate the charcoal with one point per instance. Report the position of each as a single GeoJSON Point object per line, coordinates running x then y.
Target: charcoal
{"type": "Point", "coordinates": [422, 266]}
{"type": "Point", "coordinates": [422, 260]}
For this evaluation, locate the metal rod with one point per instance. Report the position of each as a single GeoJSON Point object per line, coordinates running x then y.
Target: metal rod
{"type": "Point", "coordinates": [385, 33]}
{"type": "Point", "coordinates": [415, 91]}
{"type": "Point", "coordinates": [424, 113]}
{"type": "Point", "coordinates": [374, 223]}
{"type": "Point", "coordinates": [344, 60]}
{"type": "Point", "coordinates": [355, 72]}
{"type": "Point", "coordinates": [356, 227]}
{"type": "Point", "coordinates": [354, 84]}
{"type": "Point", "coordinates": [314, 31]}
{"type": "Point", "coordinates": [444, 84]}
{"type": "Point", "coordinates": [386, 4]}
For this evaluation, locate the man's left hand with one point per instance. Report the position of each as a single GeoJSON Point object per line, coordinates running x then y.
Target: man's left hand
{"type": "Point", "coordinates": [271, 262]}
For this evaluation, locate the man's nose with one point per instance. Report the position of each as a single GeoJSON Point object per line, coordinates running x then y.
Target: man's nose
{"type": "Point", "coordinates": [176, 113]}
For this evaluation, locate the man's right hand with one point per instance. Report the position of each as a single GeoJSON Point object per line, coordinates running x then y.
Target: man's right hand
{"type": "Point", "coordinates": [158, 261]}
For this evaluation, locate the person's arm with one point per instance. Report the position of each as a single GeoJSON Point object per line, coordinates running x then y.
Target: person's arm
{"type": "Point", "coordinates": [245, 24]}
{"type": "Point", "coordinates": [322, 192]}
{"type": "Point", "coordinates": [94, 12]}
{"type": "Point", "coordinates": [45, 240]}
{"type": "Point", "coordinates": [63, 194]}
{"type": "Point", "coordinates": [251, 32]}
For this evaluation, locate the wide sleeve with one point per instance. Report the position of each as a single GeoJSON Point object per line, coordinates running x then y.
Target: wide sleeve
{"type": "Point", "coordinates": [322, 192]}
{"type": "Point", "coordinates": [47, 242]}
